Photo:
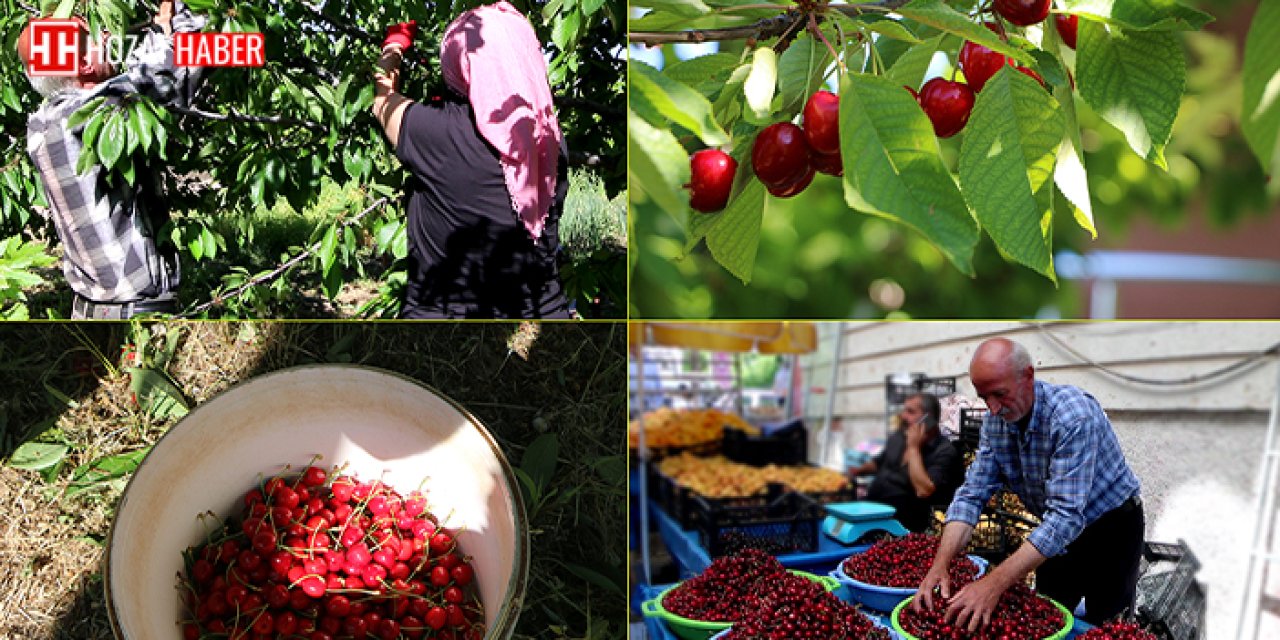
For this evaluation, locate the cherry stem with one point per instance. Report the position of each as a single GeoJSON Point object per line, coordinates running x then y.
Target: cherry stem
{"type": "Point", "coordinates": [813, 28]}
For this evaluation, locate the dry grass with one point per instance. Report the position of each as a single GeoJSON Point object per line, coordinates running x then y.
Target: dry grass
{"type": "Point", "coordinates": [567, 379]}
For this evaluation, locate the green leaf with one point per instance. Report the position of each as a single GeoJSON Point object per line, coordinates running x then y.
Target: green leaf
{"type": "Point", "coordinates": [209, 241]}
{"type": "Point", "coordinates": [707, 74]}
{"type": "Point", "coordinates": [735, 237]}
{"type": "Point", "coordinates": [656, 163]}
{"type": "Point", "coordinates": [888, 28]}
{"type": "Point", "coordinates": [111, 140]}
{"type": "Point", "coordinates": [1153, 15]}
{"type": "Point", "coordinates": [675, 101]}
{"type": "Point", "coordinates": [156, 394]}
{"type": "Point", "coordinates": [688, 8]}
{"type": "Point", "coordinates": [87, 476]}
{"type": "Point", "coordinates": [1260, 111]}
{"type": "Point", "coordinates": [196, 247]}
{"type": "Point", "coordinates": [35, 456]}
{"type": "Point", "coordinates": [567, 29]}
{"type": "Point", "coordinates": [760, 86]}
{"type": "Point", "coordinates": [539, 460]}
{"type": "Point", "coordinates": [727, 108]}
{"type": "Point", "coordinates": [1135, 81]}
{"type": "Point", "coordinates": [892, 166]}
{"type": "Point", "coordinates": [1050, 68]}
{"type": "Point", "coordinates": [88, 160]}
{"type": "Point", "coordinates": [800, 71]}
{"type": "Point", "coordinates": [1069, 172]}
{"type": "Point", "coordinates": [1007, 156]}
{"type": "Point", "coordinates": [145, 123]}
{"type": "Point", "coordinates": [938, 15]}
{"type": "Point", "coordinates": [83, 113]}
{"type": "Point", "coordinates": [596, 578]}
{"type": "Point", "coordinates": [132, 138]}
{"type": "Point", "coordinates": [128, 171]}
{"type": "Point", "coordinates": [328, 247]}
{"type": "Point", "coordinates": [911, 66]}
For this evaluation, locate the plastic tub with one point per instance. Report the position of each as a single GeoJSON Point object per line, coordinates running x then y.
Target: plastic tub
{"type": "Point", "coordinates": [381, 424]}
{"type": "Point", "coordinates": [883, 598]}
{"type": "Point", "coordinates": [690, 629]}
{"type": "Point", "coordinates": [1068, 619]}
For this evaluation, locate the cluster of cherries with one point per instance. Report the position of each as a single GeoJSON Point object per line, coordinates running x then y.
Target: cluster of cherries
{"type": "Point", "coordinates": [786, 157]}
{"type": "Point", "coordinates": [1118, 630]}
{"type": "Point", "coordinates": [903, 562]}
{"type": "Point", "coordinates": [752, 590]}
{"type": "Point", "coordinates": [1019, 615]}
{"type": "Point", "coordinates": [794, 607]}
{"type": "Point", "coordinates": [326, 561]}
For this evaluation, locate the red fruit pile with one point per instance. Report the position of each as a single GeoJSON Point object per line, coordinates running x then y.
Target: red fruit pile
{"type": "Point", "coordinates": [328, 561]}
{"type": "Point", "coordinates": [723, 592]}
{"type": "Point", "coordinates": [786, 157]}
{"type": "Point", "coordinates": [1020, 615]}
{"type": "Point", "coordinates": [1118, 630]}
{"type": "Point", "coordinates": [903, 562]}
{"type": "Point", "coordinates": [794, 607]}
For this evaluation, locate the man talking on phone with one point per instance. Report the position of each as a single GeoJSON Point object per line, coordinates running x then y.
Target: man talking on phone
{"type": "Point", "coordinates": [918, 467]}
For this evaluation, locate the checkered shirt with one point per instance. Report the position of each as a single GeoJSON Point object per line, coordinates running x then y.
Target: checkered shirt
{"type": "Point", "coordinates": [1067, 468]}
{"type": "Point", "coordinates": [109, 245]}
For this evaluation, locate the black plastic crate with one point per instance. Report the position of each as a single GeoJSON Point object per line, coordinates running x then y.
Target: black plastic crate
{"type": "Point", "coordinates": [1170, 601]}
{"type": "Point", "coordinates": [787, 445]}
{"type": "Point", "coordinates": [971, 419]}
{"type": "Point", "coordinates": [788, 524]}
{"type": "Point", "coordinates": [682, 503]}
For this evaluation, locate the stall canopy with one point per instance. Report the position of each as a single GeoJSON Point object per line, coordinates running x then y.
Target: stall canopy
{"type": "Point", "coordinates": [761, 337]}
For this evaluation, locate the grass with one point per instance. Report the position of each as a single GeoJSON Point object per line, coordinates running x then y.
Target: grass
{"type": "Point", "coordinates": [553, 394]}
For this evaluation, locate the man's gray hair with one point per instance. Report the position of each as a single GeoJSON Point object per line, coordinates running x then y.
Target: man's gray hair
{"type": "Point", "coordinates": [48, 86]}
{"type": "Point", "coordinates": [1019, 357]}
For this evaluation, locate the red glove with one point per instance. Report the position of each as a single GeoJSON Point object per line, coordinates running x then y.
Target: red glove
{"type": "Point", "coordinates": [401, 34]}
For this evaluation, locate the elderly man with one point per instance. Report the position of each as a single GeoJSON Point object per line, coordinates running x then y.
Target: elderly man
{"type": "Point", "coordinates": [111, 257]}
{"type": "Point", "coordinates": [918, 467]}
{"type": "Point", "coordinates": [1053, 446]}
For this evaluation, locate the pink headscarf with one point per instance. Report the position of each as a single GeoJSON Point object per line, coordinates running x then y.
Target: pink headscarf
{"type": "Point", "coordinates": [496, 46]}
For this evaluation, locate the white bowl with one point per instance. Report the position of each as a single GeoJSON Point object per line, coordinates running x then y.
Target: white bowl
{"type": "Point", "coordinates": [381, 424]}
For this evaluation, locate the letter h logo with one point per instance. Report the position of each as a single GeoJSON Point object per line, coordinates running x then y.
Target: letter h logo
{"type": "Point", "coordinates": [55, 48]}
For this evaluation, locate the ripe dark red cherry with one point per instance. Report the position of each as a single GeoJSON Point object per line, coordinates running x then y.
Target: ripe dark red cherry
{"type": "Point", "coordinates": [1023, 12]}
{"type": "Point", "coordinates": [1068, 26]}
{"type": "Point", "coordinates": [1032, 74]}
{"type": "Point", "coordinates": [980, 63]}
{"type": "Point", "coordinates": [780, 155]}
{"type": "Point", "coordinates": [829, 163]}
{"type": "Point", "coordinates": [822, 122]}
{"type": "Point", "coordinates": [947, 104]}
{"type": "Point", "coordinates": [710, 179]}
{"type": "Point", "coordinates": [793, 188]}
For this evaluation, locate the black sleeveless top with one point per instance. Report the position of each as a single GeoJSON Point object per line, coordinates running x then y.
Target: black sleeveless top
{"type": "Point", "coordinates": [469, 254]}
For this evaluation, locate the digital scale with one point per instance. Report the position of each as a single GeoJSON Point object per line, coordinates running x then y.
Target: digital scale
{"type": "Point", "coordinates": [847, 522]}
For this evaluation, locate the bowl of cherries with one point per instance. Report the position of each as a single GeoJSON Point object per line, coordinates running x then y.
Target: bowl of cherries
{"type": "Point", "coordinates": [321, 502]}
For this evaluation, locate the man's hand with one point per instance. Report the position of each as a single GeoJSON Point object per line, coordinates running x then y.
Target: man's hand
{"type": "Point", "coordinates": [924, 594]}
{"type": "Point", "coordinates": [915, 435]}
{"type": "Point", "coordinates": [974, 605]}
{"type": "Point", "coordinates": [401, 35]}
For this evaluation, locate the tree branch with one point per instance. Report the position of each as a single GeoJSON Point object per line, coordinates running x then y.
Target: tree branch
{"type": "Point", "coordinates": [762, 29]}
{"type": "Point", "coordinates": [278, 271]}
{"type": "Point", "coordinates": [412, 53]}
{"type": "Point", "coordinates": [35, 11]}
{"type": "Point", "coordinates": [235, 116]}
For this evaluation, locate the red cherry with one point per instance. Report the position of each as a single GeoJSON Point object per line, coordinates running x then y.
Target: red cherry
{"type": "Point", "coordinates": [793, 188]}
{"type": "Point", "coordinates": [980, 63]}
{"type": "Point", "coordinates": [314, 476]}
{"type": "Point", "coordinates": [1068, 26]}
{"type": "Point", "coordinates": [828, 163]}
{"type": "Point", "coordinates": [1023, 12]}
{"type": "Point", "coordinates": [1032, 74]}
{"type": "Point", "coordinates": [439, 576]}
{"type": "Point", "coordinates": [437, 617]}
{"type": "Point", "coordinates": [780, 155]}
{"type": "Point", "coordinates": [822, 122]}
{"type": "Point", "coordinates": [462, 574]}
{"type": "Point", "coordinates": [711, 178]}
{"type": "Point", "coordinates": [947, 104]}
{"type": "Point", "coordinates": [441, 543]}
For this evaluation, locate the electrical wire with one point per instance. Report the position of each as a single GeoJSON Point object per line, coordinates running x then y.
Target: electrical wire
{"type": "Point", "coordinates": [1243, 363]}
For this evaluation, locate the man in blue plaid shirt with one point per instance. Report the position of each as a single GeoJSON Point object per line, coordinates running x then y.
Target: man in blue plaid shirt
{"type": "Point", "coordinates": [111, 257]}
{"type": "Point", "coordinates": [1054, 447]}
